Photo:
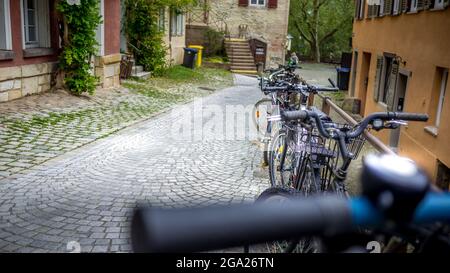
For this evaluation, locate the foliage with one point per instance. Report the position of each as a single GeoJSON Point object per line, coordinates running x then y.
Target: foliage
{"type": "Point", "coordinates": [79, 44]}
{"type": "Point", "coordinates": [143, 34]}
{"type": "Point", "coordinates": [321, 27]}
{"type": "Point", "coordinates": [214, 42]}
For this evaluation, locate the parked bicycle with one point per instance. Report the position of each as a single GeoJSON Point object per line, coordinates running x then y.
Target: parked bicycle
{"type": "Point", "coordinates": [396, 201]}
{"type": "Point", "coordinates": [313, 155]}
{"type": "Point", "coordinates": [284, 96]}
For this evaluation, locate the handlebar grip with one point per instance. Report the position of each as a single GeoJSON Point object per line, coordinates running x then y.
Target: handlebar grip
{"type": "Point", "coordinates": [411, 116]}
{"type": "Point", "coordinates": [201, 229]}
{"type": "Point", "coordinates": [294, 115]}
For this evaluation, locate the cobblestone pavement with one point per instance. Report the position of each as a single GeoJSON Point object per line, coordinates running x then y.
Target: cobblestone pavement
{"type": "Point", "coordinates": [87, 195]}
{"type": "Point", "coordinates": [37, 128]}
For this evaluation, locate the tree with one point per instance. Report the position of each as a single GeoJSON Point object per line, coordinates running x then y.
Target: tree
{"type": "Point", "coordinates": [320, 26]}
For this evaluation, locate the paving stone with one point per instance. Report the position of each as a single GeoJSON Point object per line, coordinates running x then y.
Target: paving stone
{"type": "Point", "coordinates": [88, 196]}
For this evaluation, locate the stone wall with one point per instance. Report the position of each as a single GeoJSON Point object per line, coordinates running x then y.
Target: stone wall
{"type": "Point", "coordinates": [107, 68]}
{"type": "Point", "coordinates": [268, 25]}
{"type": "Point", "coordinates": [20, 81]}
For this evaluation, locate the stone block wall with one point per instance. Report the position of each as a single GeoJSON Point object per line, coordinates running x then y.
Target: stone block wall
{"type": "Point", "coordinates": [107, 68]}
{"type": "Point", "coordinates": [20, 81]}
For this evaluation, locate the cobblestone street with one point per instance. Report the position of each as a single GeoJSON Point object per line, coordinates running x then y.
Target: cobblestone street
{"type": "Point", "coordinates": [87, 195]}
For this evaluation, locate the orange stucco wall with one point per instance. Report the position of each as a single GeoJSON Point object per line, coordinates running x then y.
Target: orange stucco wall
{"type": "Point", "coordinates": [422, 40]}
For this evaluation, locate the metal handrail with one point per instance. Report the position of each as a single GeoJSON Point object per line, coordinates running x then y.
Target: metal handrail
{"type": "Point", "coordinates": [327, 103]}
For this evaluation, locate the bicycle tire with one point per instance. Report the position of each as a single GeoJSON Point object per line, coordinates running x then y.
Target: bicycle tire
{"type": "Point", "coordinates": [283, 194]}
{"type": "Point", "coordinates": [274, 153]}
{"type": "Point", "coordinates": [255, 112]}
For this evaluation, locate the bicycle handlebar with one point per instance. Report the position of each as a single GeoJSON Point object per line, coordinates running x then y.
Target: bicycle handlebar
{"type": "Point", "coordinates": [189, 230]}
{"type": "Point", "coordinates": [305, 114]}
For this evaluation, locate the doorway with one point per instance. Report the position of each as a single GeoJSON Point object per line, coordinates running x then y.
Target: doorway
{"type": "Point", "coordinates": [399, 103]}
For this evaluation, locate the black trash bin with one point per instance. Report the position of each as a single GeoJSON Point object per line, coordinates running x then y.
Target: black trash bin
{"type": "Point", "coordinates": [190, 55]}
{"type": "Point", "coordinates": [343, 77]}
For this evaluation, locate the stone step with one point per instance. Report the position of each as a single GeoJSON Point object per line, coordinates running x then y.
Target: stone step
{"type": "Point", "coordinates": [239, 53]}
{"type": "Point", "coordinates": [239, 49]}
{"type": "Point", "coordinates": [241, 67]}
{"type": "Point", "coordinates": [244, 72]}
{"type": "Point", "coordinates": [141, 75]}
{"type": "Point", "coordinates": [137, 69]}
{"type": "Point", "coordinates": [243, 63]}
{"type": "Point", "coordinates": [237, 46]}
{"type": "Point", "coordinates": [244, 58]}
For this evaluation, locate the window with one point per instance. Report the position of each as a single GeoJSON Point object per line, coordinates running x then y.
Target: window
{"type": "Point", "coordinates": [177, 23]}
{"type": "Point", "coordinates": [35, 19]}
{"type": "Point", "coordinates": [437, 101]}
{"type": "Point", "coordinates": [386, 80]}
{"type": "Point", "coordinates": [396, 7]}
{"type": "Point", "coordinates": [260, 3]}
{"type": "Point", "coordinates": [5, 26]}
{"type": "Point", "coordinates": [417, 5]}
{"type": "Point", "coordinates": [440, 4]}
{"type": "Point", "coordinates": [381, 8]}
{"type": "Point", "coordinates": [162, 19]}
{"type": "Point", "coordinates": [442, 89]}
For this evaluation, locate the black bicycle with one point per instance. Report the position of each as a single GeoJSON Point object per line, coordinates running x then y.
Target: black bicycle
{"type": "Point", "coordinates": [309, 160]}
{"type": "Point", "coordinates": [396, 202]}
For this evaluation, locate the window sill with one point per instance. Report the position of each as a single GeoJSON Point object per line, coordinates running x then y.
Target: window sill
{"type": "Point", "coordinates": [432, 130]}
{"type": "Point", "coordinates": [7, 55]}
{"type": "Point", "coordinates": [38, 52]}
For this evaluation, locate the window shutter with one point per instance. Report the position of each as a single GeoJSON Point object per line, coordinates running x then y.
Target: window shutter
{"type": "Point", "coordinates": [420, 4]}
{"type": "Point", "coordinates": [390, 96]}
{"type": "Point", "coordinates": [43, 23]}
{"type": "Point", "coordinates": [357, 4]}
{"type": "Point", "coordinates": [387, 7]}
{"type": "Point", "coordinates": [376, 90]}
{"type": "Point", "coordinates": [243, 3]}
{"type": "Point", "coordinates": [369, 11]}
{"type": "Point", "coordinates": [404, 6]}
{"type": "Point", "coordinates": [363, 9]}
{"type": "Point", "coordinates": [428, 4]}
{"type": "Point", "coordinates": [272, 4]}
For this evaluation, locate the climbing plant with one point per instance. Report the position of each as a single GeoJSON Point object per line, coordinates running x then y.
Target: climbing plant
{"type": "Point", "coordinates": [145, 38]}
{"type": "Point", "coordinates": [79, 44]}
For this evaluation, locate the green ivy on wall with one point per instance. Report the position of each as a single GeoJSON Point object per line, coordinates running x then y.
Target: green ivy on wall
{"type": "Point", "coordinates": [79, 44]}
{"type": "Point", "coordinates": [145, 39]}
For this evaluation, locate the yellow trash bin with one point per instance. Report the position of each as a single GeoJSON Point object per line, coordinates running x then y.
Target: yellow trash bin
{"type": "Point", "coordinates": [199, 54]}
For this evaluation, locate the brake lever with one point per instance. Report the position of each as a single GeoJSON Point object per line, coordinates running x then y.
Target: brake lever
{"type": "Point", "coordinates": [394, 124]}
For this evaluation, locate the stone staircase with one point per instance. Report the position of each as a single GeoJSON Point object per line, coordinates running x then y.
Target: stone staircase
{"type": "Point", "coordinates": [240, 55]}
{"type": "Point", "coordinates": [138, 72]}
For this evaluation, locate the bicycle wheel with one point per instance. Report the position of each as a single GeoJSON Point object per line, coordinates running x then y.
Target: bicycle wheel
{"type": "Point", "coordinates": [303, 245]}
{"type": "Point", "coordinates": [281, 160]}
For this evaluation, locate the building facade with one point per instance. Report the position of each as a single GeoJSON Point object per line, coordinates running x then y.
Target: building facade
{"type": "Point", "coordinates": [265, 20]}
{"type": "Point", "coordinates": [401, 61]}
{"type": "Point", "coordinates": [30, 45]}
